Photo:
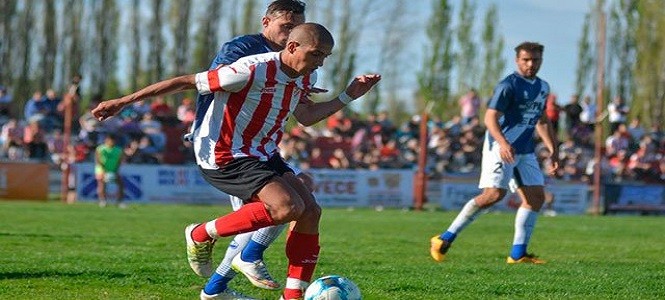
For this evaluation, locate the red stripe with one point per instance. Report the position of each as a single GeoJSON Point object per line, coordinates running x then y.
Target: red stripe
{"type": "Point", "coordinates": [233, 106]}
{"type": "Point", "coordinates": [262, 109]}
{"type": "Point", "coordinates": [281, 116]}
{"type": "Point", "coordinates": [213, 80]}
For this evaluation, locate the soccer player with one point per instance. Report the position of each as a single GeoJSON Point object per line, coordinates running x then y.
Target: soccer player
{"type": "Point", "coordinates": [108, 157]}
{"type": "Point", "coordinates": [245, 252]}
{"type": "Point", "coordinates": [514, 112]}
{"type": "Point", "coordinates": [236, 145]}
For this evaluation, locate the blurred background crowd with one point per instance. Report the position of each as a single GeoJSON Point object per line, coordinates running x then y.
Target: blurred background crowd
{"type": "Point", "coordinates": [151, 133]}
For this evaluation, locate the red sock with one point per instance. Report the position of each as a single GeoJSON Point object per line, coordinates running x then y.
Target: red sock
{"type": "Point", "coordinates": [248, 218]}
{"type": "Point", "coordinates": [303, 252]}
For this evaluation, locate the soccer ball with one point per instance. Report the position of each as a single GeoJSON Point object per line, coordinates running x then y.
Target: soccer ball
{"type": "Point", "coordinates": [332, 287]}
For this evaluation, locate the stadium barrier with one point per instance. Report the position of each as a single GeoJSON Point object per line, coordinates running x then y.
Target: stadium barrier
{"type": "Point", "coordinates": [630, 197]}
{"type": "Point", "coordinates": [569, 198]}
{"type": "Point", "coordinates": [24, 181]}
{"type": "Point", "coordinates": [184, 184]}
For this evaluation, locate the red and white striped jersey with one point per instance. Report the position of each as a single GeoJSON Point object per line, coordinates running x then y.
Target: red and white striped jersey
{"type": "Point", "coordinates": [253, 100]}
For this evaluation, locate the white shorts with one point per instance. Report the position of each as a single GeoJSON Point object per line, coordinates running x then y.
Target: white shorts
{"type": "Point", "coordinates": [236, 202]}
{"type": "Point", "coordinates": [496, 173]}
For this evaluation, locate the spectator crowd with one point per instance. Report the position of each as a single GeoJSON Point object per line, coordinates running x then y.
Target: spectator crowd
{"type": "Point", "coordinates": [151, 133]}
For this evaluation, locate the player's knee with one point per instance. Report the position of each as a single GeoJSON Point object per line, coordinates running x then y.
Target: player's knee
{"type": "Point", "coordinates": [490, 196]}
{"type": "Point", "coordinates": [291, 211]}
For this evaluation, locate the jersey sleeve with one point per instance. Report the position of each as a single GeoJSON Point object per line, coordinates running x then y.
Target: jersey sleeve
{"type": "Point", "coordinates": [500, 100]}
{"type": "Point", "coordinates": [227, 79]}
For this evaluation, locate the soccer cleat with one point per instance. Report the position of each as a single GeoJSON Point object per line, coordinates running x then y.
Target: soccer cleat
{"type": "Point", "coordinates": [199, 255]}
{"type": "Point", "coordinates": [227, 294]}
{"type": "Point", "coordinates": [256, 272]}
{"type": "Point", "coordinates": [526, 259]}
{"type": "Point", "coordinates": [438, 248]}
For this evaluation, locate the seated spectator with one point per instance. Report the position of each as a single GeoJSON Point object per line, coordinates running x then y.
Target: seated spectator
{"type": "Point", "coordinates": [316, 159]}
{"type": "Point", "coordinates": [35, 141]}
{"type": "Point", "coordinates": [338, 160]}
{"type": "Point", "coordinates": [159, 108]}
{"type": "Point", "coordinates": [11, 139]}
{"type": "Point", "coordinates": [186, 111]}
{"type": "Point", "coordinates": [56, 147]}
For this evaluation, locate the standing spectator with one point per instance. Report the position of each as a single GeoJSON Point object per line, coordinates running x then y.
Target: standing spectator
{"type": "Point", "coordinates": [108, 157]}
{"type": "Point", "coordinates": [573, 111]}
{"type": "Point", "coordinates": [588, 115]}
{"type": "Point", "coordinates": [35, 108]}
{"type": "Point", "coordinates": [5, 105]}
{"type": "Point", "coordinates": [553, 111]}
{"type": "Point", "coordinates": [617, 113]}
{"type": "Point", "coordinates": [53, 119]}
{"type": "Point", "coordinates": [469, 106]}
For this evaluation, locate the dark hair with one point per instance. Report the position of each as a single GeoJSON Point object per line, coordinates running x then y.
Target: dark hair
{"type": "Point", "coordinates": [282, 6]}
{"type": "Point", "coordinates": [529, 47]}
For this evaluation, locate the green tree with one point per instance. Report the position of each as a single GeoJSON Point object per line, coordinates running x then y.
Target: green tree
{"type": "Point", "coordinates": [156, 42]}
{"type": "Point", "coordinates": [49, 48]}
{"type": "Point", "coordinates": [622, 24]}
{"type": "Point", "coordinates": [23, 85]}
{"type": "Point", "coordinates": [493, 44]}
{"type": "Point", "coordinates": [206, 44]}
{"type": "Point", "coordinates": [585, 59]}
{"type": "Point", "coordinates": [649, 67]}
{"type": "Point", "coordinates": [7, 18]}
{"type": "Point", "coordinates": [135, 46]}
{"type": "Point", "coordinates": [434, 78]}
{"type": "Point", "coordinates": [465, 58]}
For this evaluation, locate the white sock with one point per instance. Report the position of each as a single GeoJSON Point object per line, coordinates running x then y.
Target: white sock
{"type": "Point", "coordinates": [266, 235]}
{"type": "Point", "coordinates": [468, 213]}
{"type": "Point", "coordinates": [237, 244]}
{"type": "Point", "coordinates": [525, 221]}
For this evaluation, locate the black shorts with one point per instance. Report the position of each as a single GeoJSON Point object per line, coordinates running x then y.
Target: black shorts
{"type": "Point", "coordinates": [243, 177]}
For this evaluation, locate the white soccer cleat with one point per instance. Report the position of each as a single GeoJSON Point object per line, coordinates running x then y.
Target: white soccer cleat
{"type": "Point", "coordinates": [227, 294]}
{"type": "Point", "coordinates": [256, 272]}
{"type": "Point", "coordinates": [199, 255]}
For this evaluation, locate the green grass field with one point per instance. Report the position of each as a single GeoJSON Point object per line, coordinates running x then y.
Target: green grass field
{"type": "Point", "coordinates": [81, 251]}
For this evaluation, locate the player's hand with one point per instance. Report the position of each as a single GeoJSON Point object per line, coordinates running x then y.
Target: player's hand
{"type": "Point", "coordinates": [107, 109]}
{"type": "Point", "coordinates": [362, 84]}
{"type": "Point", "coordinates": [553, 163]}
{"type": "Point", "coordinates": [507, 153]}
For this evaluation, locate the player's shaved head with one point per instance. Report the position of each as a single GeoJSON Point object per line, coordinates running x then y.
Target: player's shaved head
{"type": "Point", "coordinates": [311, 34]}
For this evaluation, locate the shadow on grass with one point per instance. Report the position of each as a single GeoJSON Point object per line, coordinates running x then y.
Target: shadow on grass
{"type": "Point", "coordinates": [52, 274]}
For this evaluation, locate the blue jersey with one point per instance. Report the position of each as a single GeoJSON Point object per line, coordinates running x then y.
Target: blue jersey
{"type": "Point", "coordinates": [231, 51]}
{"type": "Point", "coordinates": [522, 103]}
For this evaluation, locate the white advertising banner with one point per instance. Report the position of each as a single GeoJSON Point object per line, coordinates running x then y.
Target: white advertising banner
{"type": "Point", "coordinates": [184, 184]}
{"type": "Point", "coordinates": [569, 198]}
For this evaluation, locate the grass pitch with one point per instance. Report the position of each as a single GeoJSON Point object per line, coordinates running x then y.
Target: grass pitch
{"type": "Point", "coordinates": [81, 251]}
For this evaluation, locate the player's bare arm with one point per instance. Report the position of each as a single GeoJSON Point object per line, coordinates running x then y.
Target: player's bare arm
{"type": "Point", "coordinates": [546, 132]}
{"type": "Point", "coordinates": [110, 108]}
{"type": "Point", "coordinates": [506, 151]}
{"type": "Point", "coordinates": [309, 113]}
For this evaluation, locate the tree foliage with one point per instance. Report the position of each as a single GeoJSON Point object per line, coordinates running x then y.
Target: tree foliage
{"type": "Point", "coordinates": [434, 78]}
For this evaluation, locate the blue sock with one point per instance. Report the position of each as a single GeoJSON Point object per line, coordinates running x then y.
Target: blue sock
{"type": "Point", "coordinates": [253, 251]}
{"type": "Point", "coordinates": [518, 251]}
{"type": "Point", "coordinates": [448, 236]}
{"type": "Point", "coordinates": [216, 284]}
